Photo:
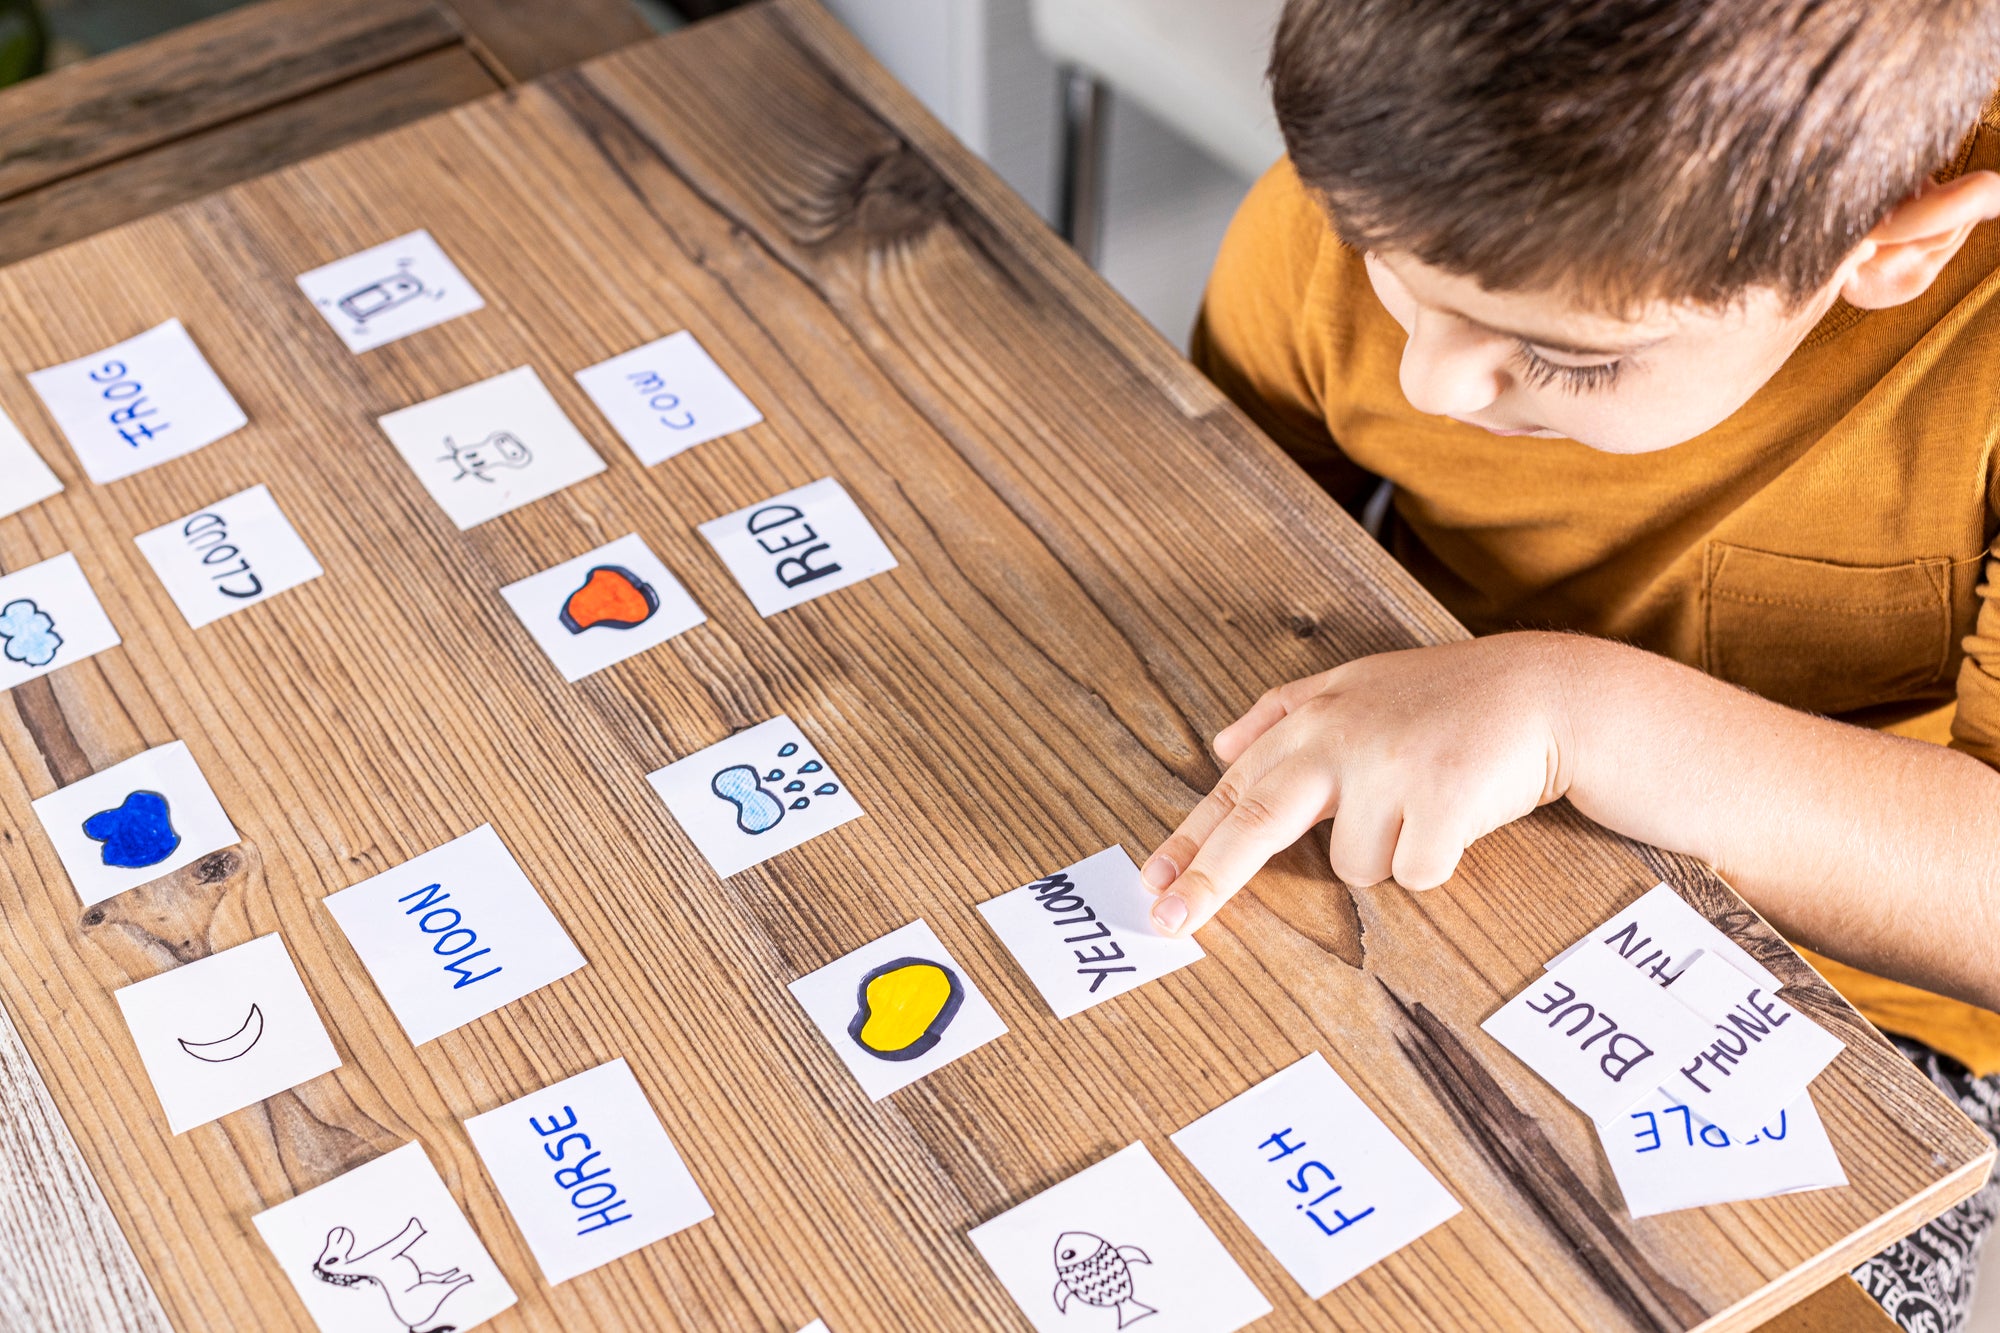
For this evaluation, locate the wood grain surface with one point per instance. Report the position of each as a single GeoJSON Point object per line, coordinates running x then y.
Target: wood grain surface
{"type": "Point", "coordinates": [1101, 563]}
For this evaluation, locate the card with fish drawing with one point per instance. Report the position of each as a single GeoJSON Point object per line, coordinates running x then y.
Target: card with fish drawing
{"type": "Point", "coordinates": [897, 1009]}
{"type": "Point", "coordinates": [131, 823]}
{"type": "Point", "coordinates": [763, 791]}
{"type": "Point", "coordinates": [49, 618]}
{"type": "Point", "coordinates": [385, 1249]}
{"type": "Point", "coordinates": [1115, 1244]}
{"type": "Point", "coordinates": [602, 607]}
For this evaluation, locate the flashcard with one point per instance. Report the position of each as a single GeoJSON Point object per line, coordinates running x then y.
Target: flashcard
{"type": "Point", "coordinates": [134, 822]}
{"type": "Point", "coordinates": [389, 291]}
{"type": "Point", "coordinates": [385, 1249]}
{"type": "Point", "coordinates": [1761, 1054]}
{"type": "Point", "coordinates": [1316, 1174]}
{"type": "Point", "coordinates": [1083, 934]}
{"type": "Point", "coordinates": [587, 1171]}
{"type": "Point", "coordinates": [139, 403]}
{"type": "Point", "coordinates": [1116, 1243]}
{"type": "Point", "coordinates": [453, 934]}
{"type": "Point", "coordinates": [1658, 933]}
{"type": "Point", "coordinates": [232, 554]}
{"type": "Point", "coordinates": [1666, 1158]}
{"type": "Point", "coordinates": [798, 546]}
{"type": "Point", "coordinates": [49, 617]}
{"type": "Point", "coordinates": [816, 1326]}
{"type": "Point", "coordinates": [492, 446]}
{"type": "Point", "coordinates": [1599, 1031]}
{"type": "Point", "coordinates": [604, 606]}
{"type": "Point", "coordinates": [763, 791]}
{"type": "Point", "coordinates": [897, 1009]}
{"type": "Point", "coordinates": [667, 396]}
{"type": "Point", "coordinates": [24, 478]}
{"type": "Point", "coordinates": [226, 1031]}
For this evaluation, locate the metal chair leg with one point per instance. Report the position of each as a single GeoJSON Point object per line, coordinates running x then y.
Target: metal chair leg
{"type": "Point", "coordinates": [1080, 187]}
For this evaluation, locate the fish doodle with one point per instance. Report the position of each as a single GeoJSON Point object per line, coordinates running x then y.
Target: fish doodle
{"type": "Point", "coordinates": [1098, 1274]}
{"type": "Point", "coordinates": [414, 1296]}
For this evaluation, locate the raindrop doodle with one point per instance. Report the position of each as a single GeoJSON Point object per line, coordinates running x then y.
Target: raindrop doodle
{"type": "Point", "coordinates": [758, 806]}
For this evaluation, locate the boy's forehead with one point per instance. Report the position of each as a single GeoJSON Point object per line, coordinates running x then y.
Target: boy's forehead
{"type": "Point", "coordinates": [1555, 319]}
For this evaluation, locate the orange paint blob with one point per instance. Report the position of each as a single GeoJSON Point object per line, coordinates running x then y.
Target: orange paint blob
{"type": "Point", "coordinates": [612, 597]}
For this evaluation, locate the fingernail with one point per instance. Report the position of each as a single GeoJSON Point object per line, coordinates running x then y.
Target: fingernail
{"type": "Point", "coordinates": [1159, 873]}
{"type": "Point", "coordinates": [1170, 914]}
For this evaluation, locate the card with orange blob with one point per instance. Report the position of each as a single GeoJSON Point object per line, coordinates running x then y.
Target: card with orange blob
{"type": "Point", "coordinates": [602, 607]}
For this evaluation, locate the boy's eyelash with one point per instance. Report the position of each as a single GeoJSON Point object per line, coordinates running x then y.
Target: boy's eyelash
{"type": "Point", "coordinates": [1541, 372]}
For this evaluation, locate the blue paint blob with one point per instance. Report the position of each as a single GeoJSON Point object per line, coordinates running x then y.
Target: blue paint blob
{"type": "Point", "coordinates": [137, 834]}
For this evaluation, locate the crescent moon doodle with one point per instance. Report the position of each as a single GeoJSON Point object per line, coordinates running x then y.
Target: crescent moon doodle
{"type": "Point", "coordinates": [230, 1047]}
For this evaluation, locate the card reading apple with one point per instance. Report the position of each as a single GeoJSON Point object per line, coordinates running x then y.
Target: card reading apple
{"type": "Point", "coordinates": [602, 607]}
{"type": "Point", "coordinates": [49, 617]}
{"type": "Point", "coordinates": [667, 396]}
{"type": "Point", "coordinates": [233, 554]}
{"type": "Point", "coordinates": [134, 822]}
{"type": "Point", "coordinates": [389, 291]}
{"type": "Point", "coordinates": [763, 791]}
{"type": "Point", "coordinates": [798, 546]}
{"type": "Point", "coordinates": [1666, 1157]}
{"type": "Point", "coordinates": [139, 403]}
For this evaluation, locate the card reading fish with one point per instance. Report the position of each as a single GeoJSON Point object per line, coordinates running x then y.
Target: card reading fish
{"type": "Point", "coordinates": [1658, 933]}
{"type": "Point", "coordinates": [1083, 934]}
{"type": "Point", "coordinates": [233, 554]}
{"type": "Point", "coordinates": [384, 1248]}
{"type": "Point", "coordinates": [453, 934]}
{"type": "Point", "coordinates": [667, 396]}
{"type": "Point", "coordinates": [798, 546]}
{"type": "Point", "coordinates": [763, 791]}
{"type": "Point", "coordinates": [134, 822]}
{"type": "Point", "coordinates": [491, 447]}
{"type": "Point", "coordinates": [587, 1170]}
{"type": "Point", "coordinates": [139, 403]}
{"type": "Point", "coordinates": [24, 478]}
{"type": "Point", "coordinates": [1666, 1157]}
{"type": "Point", "coordinates": [1116, 1243]}
{"type": "Point", "coordinates": [226, 1031]}
{"type": "Point", "coordinates": [604, 606]}
{"type": "Point", "coordinates": [1761, 1055]}
{"type": "Point", "coordinates": [49, 617]}
{"type": "Point", "coordinates": [389, 291]}
{"type": "Point", "coordinates": [897, 1009]}
{"type": "Point", "coordinates": [1316, 1174]}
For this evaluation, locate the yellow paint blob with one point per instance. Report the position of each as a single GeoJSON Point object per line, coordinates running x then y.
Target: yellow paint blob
{"type": "Point", "coordinates": [905, 1007]}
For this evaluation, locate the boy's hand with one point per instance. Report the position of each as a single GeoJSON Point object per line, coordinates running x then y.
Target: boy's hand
{"type": "Point", "coordinates": [1413, 755]}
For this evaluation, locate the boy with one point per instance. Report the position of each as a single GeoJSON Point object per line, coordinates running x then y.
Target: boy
{"type": "Point", "coordinates": [1676, 329]}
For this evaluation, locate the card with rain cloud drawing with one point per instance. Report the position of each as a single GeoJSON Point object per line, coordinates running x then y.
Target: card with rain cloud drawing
{"type": "Point", "coordinates": [49, 617]}
{"type": "Point", "coordinates": [763, 791]}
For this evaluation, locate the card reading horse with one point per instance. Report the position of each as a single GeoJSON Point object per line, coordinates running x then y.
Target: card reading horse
{"type": "Point", "coordinates": [138, 403]}
{"type": "Point", "coordinates": [389, 291]}
{"type": "Point", "coordinates": [602, 607]}
{"type": "Point", "coordinates": [134, 822]}
{"type": "Point", "coordinates": [798, 546]}
{"type": "Point", "coordinates": [24, 478]}
{"type": "Point", "coordinates": [49, 617]}
{"type": "Point", "coordinates": [385, 1249]}
{"type": "Point", "coordinates": [763, 791]}
{"type": "Point", "coordinates": [1114, 1244]}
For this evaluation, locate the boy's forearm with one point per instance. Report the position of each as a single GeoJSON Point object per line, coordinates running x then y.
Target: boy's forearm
{"type": "Point", "coordinates": [1877, 850]}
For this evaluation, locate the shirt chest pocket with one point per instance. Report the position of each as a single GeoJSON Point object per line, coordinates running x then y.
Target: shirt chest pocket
{"type": "Point", "coordinates": [1825, 637]}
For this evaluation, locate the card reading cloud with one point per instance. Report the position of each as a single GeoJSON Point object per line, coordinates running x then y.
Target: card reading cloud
{"type": "Point", "coordinates": [604, 606]}
{"type": "Point", "coordinates": [763, 791]}
{"type": "Point", "coordinates": [1667, 1158]}
{"type": "Point", "coordinates": [233, 554]}
{"type": "Point", "coordinates": [897, 1009]}
{"type": "Point", "coordinates": [798, 546]}
{"type": "Point", "coordinates": [667, 396]}
{"type": "Point", "coordinates": [587, 1170]}
{"type": "Point", "coordinates": [1114, 1244]}
{"type": "Point", "coordinates": [134, 822]}
{"type": "Point", "coordinates": [492, 446]}
{"type": "Point", "coordinates": [453, 934]}
{"type": "Point", "coordinates": [226, 1031]}
{"type": "Point", "coordinates": [49, 617]}
{"type": "Point", "coordinates": [384, 1248]}
{"type": "Point", "coordinates": [139, 403]}
{"type": "Point", "coordinates": [24, 478]}
{"type": "Point", "coordinates": [389, 291]}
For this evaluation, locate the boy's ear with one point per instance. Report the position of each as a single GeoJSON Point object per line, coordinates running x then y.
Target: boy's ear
{"type": "Point", "coordinates": [1903, 255]}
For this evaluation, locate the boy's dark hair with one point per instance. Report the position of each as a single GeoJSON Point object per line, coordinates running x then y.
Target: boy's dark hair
{"type": "Point", "coordinates": [1627, 150]}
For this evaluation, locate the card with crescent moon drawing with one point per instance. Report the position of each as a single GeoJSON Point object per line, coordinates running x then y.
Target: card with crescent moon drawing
{"type": "Point", "coordinates": [226, 1031]}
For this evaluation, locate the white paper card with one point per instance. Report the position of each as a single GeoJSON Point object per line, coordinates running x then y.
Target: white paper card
{"type": "Point", "coordinates": [763, 791]}
{"type": "Point", "coordinates": [1666, 1158]}
{"type": "Point", "coordinates": [389, 291]}
{"type": "Point", "coordinates": [139, 403]}
{"type": "Point", "coordinates": [492, 446]}
{"type": "Point", "coordinates": [134, 822]}
{"type": "Point", "coordinates": [798, 546]}
{"type": "Point", "coordinates": [233, 554]}
{"type": "Point", "coordinates": [897, 1009]}
{"type": "Point", "coordinates": [1599, 1031]}
{"type": "Point", "coordinates": [226, 1031]}
{"type": "Point", "coordinates": [667, 396]}
{"type": "Point", "coordinates": [49, 617]}
{"type": "Point", "coordinates": [1083, 934]}
{"type": "Point", "coordinates": [1761, 1052]}
{"type": "Point", "coordinates": [1315, 1174]}
{"type": "Point", "coordinates": [1658, 933]}
{"type": "Point", "coordinates": [385, 1249]}
{"type": "Point", "coordinates": [604, 606]}
{"type": "Point", "coordinates": [1114, 1244]}
{"type": "Point", "coordinates": [453, 934]}
{"type": "Point", "coordinates": [587, 1170]}
{"type": "Point", "coordinates": [816, 1326]}
{"type": "Point", "coordinates": [24, 478]}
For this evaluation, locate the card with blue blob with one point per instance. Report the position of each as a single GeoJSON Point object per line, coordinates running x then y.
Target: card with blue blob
{"type": "Point", "coordinates": [151, 398]}
{"type": "Point", "coordinates": [49, 617]}
{"type": "Point", "coordinates": [587, 1170]}
{"type": "Point", "coordinates": [134, 822]}
{"type": "Point", "coordinates": [763, 791]}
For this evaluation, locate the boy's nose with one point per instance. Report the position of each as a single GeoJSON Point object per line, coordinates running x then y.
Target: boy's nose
{"type": "Point", "coordinates": [1449, 369]}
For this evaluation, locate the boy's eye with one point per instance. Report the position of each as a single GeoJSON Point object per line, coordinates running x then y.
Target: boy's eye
{"type": "Point", "coordinates": [1541, 372]}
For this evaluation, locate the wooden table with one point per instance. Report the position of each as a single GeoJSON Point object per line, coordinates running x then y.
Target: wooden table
{"type": "Point", "coordinates": [1101, 563]}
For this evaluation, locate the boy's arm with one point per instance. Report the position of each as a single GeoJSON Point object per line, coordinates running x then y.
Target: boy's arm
{"type": "Point", "coordinates": [1879, 851]}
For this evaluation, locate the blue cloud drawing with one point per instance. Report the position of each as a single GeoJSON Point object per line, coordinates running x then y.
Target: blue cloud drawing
{"type": "Point", "coordinates": [29, 633]}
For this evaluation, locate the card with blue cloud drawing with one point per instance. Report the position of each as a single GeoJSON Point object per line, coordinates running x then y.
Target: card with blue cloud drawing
{"type": "Point", "coordinates": [49, 618]}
